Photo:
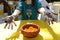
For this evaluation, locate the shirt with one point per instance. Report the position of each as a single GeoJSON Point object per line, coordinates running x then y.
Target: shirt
{"type": "Point", "coordinates": [28, 10]}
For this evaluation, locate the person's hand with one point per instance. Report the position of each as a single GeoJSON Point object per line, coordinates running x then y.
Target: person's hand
{"type": "Point", "coordinates": [9, 20]}
{"type": "Point", "coordinates": [50, 18]}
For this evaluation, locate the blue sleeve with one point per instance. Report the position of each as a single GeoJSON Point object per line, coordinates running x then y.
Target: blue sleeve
{"type": "Point", "coordinates": [39, 5]}
{"type": "Point", "coordinates": [19, 6]}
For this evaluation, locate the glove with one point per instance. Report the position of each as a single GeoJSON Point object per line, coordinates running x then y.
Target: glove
{"type": "Point", "coordinates": [9, 20]}
{"type": "Point", "coordinates": [50, 18]}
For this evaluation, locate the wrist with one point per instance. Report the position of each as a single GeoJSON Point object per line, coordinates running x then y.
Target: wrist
{"type": "Point", "coordinates": [13, 16]}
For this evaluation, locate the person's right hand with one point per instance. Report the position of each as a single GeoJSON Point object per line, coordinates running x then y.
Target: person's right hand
{"type": "Point", "coordinates": [9, 20]}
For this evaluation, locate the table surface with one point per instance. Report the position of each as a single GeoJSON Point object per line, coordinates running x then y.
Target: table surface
{"type": "Point", "coordinates": [47, 32]}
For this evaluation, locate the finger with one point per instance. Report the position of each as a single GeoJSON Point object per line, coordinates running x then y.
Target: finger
{"type": "Point", "coordinates": [9, 26]}
{"type": "Point", "coordinates": [14, 23]}
{"type": "Point", "coordinates": [12, 26]}
{"type": "Point", "coordinates": [55, 20]}
{"type": "Point", "coordinates": [48, 19]}
{"type": "Point", "coordinates": [49, 22]}
{"type": "Point", "coordinates": [6, 25]}
{"type": "Point", "coordinates": [55, 13]}
{"type": "Point", "coordinates": [4, 18]}
{"type": "Point", "coordinates": [45, 18]}
{"type": "Point", "coordinates": [52, 21]}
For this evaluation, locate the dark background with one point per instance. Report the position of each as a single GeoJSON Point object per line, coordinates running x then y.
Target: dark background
{"type": "Point", "coordinates": [56, 0]}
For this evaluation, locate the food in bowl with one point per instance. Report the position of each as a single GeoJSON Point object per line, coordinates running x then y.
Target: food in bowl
{"type": "Point", "coordinates": [30, 30]}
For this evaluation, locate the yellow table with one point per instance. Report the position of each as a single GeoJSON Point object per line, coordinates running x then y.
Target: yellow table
{"type": "Point", "coordinates": [47, 32]}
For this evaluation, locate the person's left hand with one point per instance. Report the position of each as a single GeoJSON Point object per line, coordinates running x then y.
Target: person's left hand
{"type": "Point", "coordinates": [50, 18]}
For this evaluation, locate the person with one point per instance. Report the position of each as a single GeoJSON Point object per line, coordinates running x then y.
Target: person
{"type": "Point", "coordinates": [28, 9]}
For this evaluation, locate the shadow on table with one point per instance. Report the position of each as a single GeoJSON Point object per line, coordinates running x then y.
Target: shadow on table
{"type": "Point", "coordinates": [42, 24]}
{"type": "Point", "coordinates": [54, 35]}
{"type": "Point", "coordinates": [39, 37]}
{"type": "Point", "coordinates": [14, 36]}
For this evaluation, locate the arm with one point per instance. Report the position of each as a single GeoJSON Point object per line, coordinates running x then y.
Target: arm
{"type": "Point", "coordinates": [48, 16]}
{"type": "Point", "coordinates": [17, 10]}
{"type": "Point", "coordinates": [10, 19]}
{"type": "Point", "coordinates": [41, 11]}
{"type": "Point", "coordinates": [16, 13]}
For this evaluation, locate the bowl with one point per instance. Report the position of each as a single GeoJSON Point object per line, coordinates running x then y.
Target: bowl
{"type": "Point", "coordinates": [30, 30]}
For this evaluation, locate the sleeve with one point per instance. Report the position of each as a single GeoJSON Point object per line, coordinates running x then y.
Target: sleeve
{"type": "Point", "coordinates": [39, 5]}
{"type": "Point", "coordinates": [19, 6]}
